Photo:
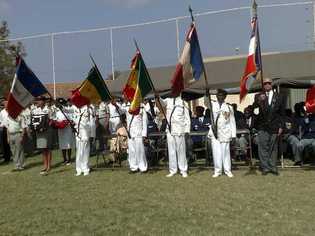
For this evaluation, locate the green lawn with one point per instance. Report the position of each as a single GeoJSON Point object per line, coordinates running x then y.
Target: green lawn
{"type": "Point", "coordinates": [117, 203]}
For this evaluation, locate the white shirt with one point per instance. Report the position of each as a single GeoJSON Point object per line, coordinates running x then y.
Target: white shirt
{"type": "Point", "coordinates": [113, 111]}
{"type": "Point", "coordinates": [269, 96]}
{"type": "Point", "coordinates": [224, 117]}
{"type": "Point", "coordinates": [103, 110]}
{"type": "Point", "coordinates": [137, 126]}
{"type": "Point", "coordinates": [177, 115]}
{"type": "Point", "coordinates": [16, 125]}
{"type": "Point", "coordinates": [82, 121]}
{"type": "Point", "coordinates": [3, 118]}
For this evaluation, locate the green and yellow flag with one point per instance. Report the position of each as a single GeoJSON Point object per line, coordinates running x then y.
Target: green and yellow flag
{"type": "Point", "coordinates": [92, 90]}
{"type": "Point", "coordinates": [139, 84]}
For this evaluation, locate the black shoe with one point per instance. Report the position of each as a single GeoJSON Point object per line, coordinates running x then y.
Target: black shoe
{"type": "Point", "coordinates": [132, 172]}
{"type": "Point", "coordinates": [264, 172]}
{"type": "Point", "coordinates": [276, 173]}
{"type": "Point", "coordinates": [298, 163]}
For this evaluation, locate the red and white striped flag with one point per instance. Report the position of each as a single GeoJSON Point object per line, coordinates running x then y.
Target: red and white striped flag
{"type": "Point", "coordinates": [25, 88]}
{"type": "Point", "coordinates": [254, 63]}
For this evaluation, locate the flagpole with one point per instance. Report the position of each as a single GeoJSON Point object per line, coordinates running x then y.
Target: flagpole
{"type": "Point", "coordinates": [213, 126]}
{"type": "Point", "coordinates": [153, 88]}
{"type": "Point", "coordinates": [254, 14]}
{"type": "Point", "coordinates": [59, 105]}
{"type": "Point", "coordinates": [99, 74]}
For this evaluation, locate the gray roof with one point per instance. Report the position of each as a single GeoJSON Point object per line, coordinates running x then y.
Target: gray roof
{"type": "Point", "coordinates": [225, 72]}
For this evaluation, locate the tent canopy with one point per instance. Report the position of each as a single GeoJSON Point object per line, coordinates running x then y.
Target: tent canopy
{"type": "Point", "coordinates": [287, 69]}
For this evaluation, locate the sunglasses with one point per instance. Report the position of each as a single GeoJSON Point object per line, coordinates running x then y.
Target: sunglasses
{"type": "Point", "coordinates": [267, 83]}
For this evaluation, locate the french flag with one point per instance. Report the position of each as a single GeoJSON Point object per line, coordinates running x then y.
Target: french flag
{"type": "Point", "coordinates": [253, 64]}
{"type": "Point", "coordinates": [190, 65]}
{"type": "Point", "coordinates": [25, 87]}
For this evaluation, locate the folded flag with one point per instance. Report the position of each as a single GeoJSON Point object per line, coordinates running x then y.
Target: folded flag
{"type": "Point", "coordinates": [253, 65]}
{"type": "Point", "coordinates": [138, 85]}
{"type": "Point", "coordinates": [25, 88]}
{"type": "Point", "coordinates": [190, 65]}
{"type": "Point", "coordinates": [92, 90]}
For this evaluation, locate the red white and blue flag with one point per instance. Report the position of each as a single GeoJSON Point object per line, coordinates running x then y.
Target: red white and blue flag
{"type": "Point", "coordinates": [254, 63]}
{"type": "Point", "coordinates": [25, 88]}
{"type": "Point", "coordinates": [190, 65]}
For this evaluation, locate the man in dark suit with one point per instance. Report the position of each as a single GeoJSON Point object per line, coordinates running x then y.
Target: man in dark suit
{"type": "Point", "coordinates": [270, 108]}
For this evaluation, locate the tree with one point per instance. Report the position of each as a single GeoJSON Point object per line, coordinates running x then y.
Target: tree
{"type": "Point", "coordinates": [8, 53]}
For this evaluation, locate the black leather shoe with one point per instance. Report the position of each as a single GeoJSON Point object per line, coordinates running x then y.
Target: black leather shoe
{"type": "Point", "coordinates": [298, 163]}
{"type": "Point", "coordinates": [276, 173]}
{"type": "Point", "coordinates": [264, 172]}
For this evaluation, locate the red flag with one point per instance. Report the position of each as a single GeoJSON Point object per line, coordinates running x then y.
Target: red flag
{"type": "Point", "coordinates": [310, 100]}
{"type": "Point", "coordinates": [253, 64]}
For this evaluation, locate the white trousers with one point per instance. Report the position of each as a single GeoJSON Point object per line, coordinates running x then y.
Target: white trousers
{"type": "Point", "coordinates": [82, 156]}
{"type": "Point", "coordinates": [221, 156]}
{"type": "Point", "coordinates": [136, 154]}
{"type": "Point", "coordinates": [176, 153]}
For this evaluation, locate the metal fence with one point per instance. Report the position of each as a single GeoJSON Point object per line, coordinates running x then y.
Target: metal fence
{"type": "Point", "coordinates": [64, 56]}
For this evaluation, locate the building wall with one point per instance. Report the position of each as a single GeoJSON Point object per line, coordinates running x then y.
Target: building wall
{"type": "Point", "coordinates": [296, 95]}
{"type": "Point", "coordinates": [235, 98]}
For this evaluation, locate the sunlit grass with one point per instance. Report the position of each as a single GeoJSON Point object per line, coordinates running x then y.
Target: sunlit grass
{"type": "Point", "coordinates": [114, 202]}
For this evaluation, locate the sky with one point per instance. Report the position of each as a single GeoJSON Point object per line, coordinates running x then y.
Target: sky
{"type": "Point", "coordinates": [281, 28]}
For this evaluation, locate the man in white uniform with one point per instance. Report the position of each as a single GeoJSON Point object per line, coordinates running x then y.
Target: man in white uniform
{"type": "Point", "coordinates": [224, 120]}
{"type": "Point", "coordinates": [137, 128]}
{"type": "Point", "coordinates": [115, 111]}
{"type": "Point", "coordinates": [82, 119]}
{"type": "Point", "coordinates": [178, 118]}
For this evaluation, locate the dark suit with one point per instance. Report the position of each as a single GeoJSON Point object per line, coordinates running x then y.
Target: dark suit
{"type": "Point", "coordinates": [199, 141]}
{"type": "Point", "coordinates": [198, 125]}
{"type": "Point", "coordinates": [269, 120]}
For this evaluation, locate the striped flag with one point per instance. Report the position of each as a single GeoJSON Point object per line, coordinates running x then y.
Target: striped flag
{"type": "Point", "coordinates": [139, 84]}
{"type": "Point", "coordinates": [93, 90]}
{"type": "Point", "coordinates": [190, 65]}
{"type": "Point", "coordinates": [25, 88]}
{"type": "Point", "coordinates": [254, 64]}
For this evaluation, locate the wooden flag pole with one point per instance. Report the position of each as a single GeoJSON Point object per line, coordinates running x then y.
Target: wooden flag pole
{"type": "Point", "coordinates": [99, 74]}
{"type": "Point", "coordinates": [213, 125]}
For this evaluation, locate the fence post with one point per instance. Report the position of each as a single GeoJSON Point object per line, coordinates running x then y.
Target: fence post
{"type": "Point", "coordinates": [53, 63]}
{"type": "Point", "coordinates": [112, 52]}
{"type": "Point", "coordinates": [177, 39]}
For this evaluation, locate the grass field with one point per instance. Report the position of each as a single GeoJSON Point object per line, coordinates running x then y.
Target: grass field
{"type": "Point", "coordinates": [117, 203]}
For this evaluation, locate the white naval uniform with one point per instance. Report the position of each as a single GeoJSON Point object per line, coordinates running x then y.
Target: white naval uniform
{"type": "Point", "coordinates": [226, 130]}
{"type": "Point", "coordinates": [114, 117]}
{"type": "Point", "coordinates": [137, 127]}
{"type": "Point", "coordinates": [178, 118]}
{"type": "Point", "coordinates": [65, 135]}
{"type": "Point", "coordinates": [93, 121]}
{"type": "Point", "coordinates": [82, 121]}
